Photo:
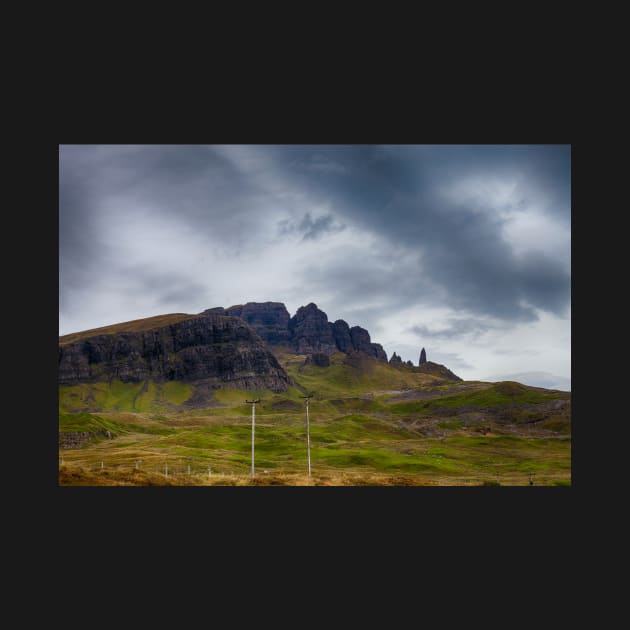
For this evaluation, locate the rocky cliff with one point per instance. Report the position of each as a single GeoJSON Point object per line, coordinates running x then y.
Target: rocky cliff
{"type": "Point", "coordinates": [213, 347]}
{"type": "Point", "coordinates": [307, 332]}
{"type": "Point", "coordinates": [341, 333]}
{"type": "Point", "coordinates": [362, 343]}
{"type": "Point", "coordinates": [269, 319]}
{"type": "Point", "coordinates": [310, 331]}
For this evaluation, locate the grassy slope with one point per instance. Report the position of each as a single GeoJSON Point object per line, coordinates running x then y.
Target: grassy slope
{"type": "Point", "coordinates": [357, 433]}
{"type": "Point", "coordinates": [118, 396]}
{"type": "Point", "coordinates": [355, 444]}
{"type": "Point", "coordinates": [506, 393]}
{"type": "Point", "coordinates": [136, 325]}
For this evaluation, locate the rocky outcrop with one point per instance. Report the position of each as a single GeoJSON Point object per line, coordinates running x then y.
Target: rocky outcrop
{"type": "Point", "coordinates": [320, 359]}
{"type": "Point", "coordinates": [269, 319]}
{"type": "Point", "coordinates": [360, 339]}
{"type": "Point", "coordinates": [341, 333]}
{"type": "Point", "coordinates": [378, 352]}
{"type": "Point", "coordinates": [423, 357]}
{"type": "Point", "coordinates": [221, 349]}
{"type": "Point", "coordinates": [307, 332]}
{"type": "Point", "coordinates": [310, 331]}
{"type": "Point", "coordinates": [361, 343]}
{"type": "Point", "coordinates": [78, 439]}
{"type": "Point", "coordinates": [356, 339]}
{"type": "Point", "coordinates": [217, 347]}
{"type": "Point", "coordinates": [395, 360]}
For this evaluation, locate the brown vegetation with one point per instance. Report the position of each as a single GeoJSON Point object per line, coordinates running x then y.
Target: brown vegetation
{"type": "Point", "coordinates": [135, 325]}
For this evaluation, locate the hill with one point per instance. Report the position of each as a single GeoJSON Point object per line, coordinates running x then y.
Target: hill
{"type": "Point", "coordinates": [134, 326]}
{"type": "Point", "coordinates": [131, 421]}
{"type": "Point", "coordinates": [210, 350]}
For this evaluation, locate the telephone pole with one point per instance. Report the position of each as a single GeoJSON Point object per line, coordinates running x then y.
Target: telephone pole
{"type": "Point", "coordinates": [308, 433]}
{"type": "Point", "coordinates": [253, 404]}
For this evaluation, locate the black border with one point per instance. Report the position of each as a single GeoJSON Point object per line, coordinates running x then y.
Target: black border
{"type": "Point", "coordinates": [337, 520]}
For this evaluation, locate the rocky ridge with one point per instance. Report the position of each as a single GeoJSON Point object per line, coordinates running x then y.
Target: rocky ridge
{"type": "Point", "coordinates": [218, 348]}
{"type": "Point", "coordinates": [231, 347]}
{"type": "Point", "coordinates": [307, 332]}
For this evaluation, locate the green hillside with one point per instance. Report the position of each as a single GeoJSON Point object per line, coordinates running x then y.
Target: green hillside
{"type": "Point", "coordinates": [370, 424]}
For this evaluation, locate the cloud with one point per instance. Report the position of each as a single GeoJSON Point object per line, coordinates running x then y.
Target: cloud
{"type": "Point", "coordinates": [167, 288]}
{"type": "Point", "coordinates": [321, 225]}
{"type": "Point", "coordinates": [461, 245]}
{"type": "Point", "coordinates": [455, 328]}
{"type": "Point", "coordinates": [451, 359]}
{"type": "Point", "coordinates": [309, 228]}
{"type": "Point", "coordinates": [397, 193]}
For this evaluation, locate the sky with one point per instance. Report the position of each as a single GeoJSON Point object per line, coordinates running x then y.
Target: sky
{"type": "Point", "coordinates": [464, 250]}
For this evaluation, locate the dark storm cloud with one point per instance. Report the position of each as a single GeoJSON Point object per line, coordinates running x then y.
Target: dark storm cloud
{"type": "Point", "coordinates": [398, 193]}
{"type": "Point", "coordinates": [436, 247]}
{"type": "Point", "coordinates": [363, 288]}
{"type": "Point", "coordinates": [197, 185]}
{"type": "Point", "coordinates": [166, 288]}
{"type": "Point", "coordinates": [310, 229]}
{"type": "Point", "coordinates": [313, 229]}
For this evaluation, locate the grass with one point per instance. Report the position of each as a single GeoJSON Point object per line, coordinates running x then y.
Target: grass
{"type": "Point", "coordinates": [74, 422]}
{"type": "Point", "coordinates": [96, 477]}
{"type": "Point", "coordinates": [495, 395]}
{"type": "Point", "coordinates": [136, 325]}
{"type": "Point", "coordinates": [144, 396]}
{"type": "Point", "coordinates": [363, 432]}
{"type": "Point", "coordinates": [358, 445]}
{"type": "Point", "coordinates": [351, 376]}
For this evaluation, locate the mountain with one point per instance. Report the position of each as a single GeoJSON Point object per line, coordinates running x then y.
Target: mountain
{"type": "Point", "coordinates": [214, 348]}
{"type": "Point", "coordinates": [307, 332]}
{"type": "Point", "coordinates": [180, 359]}
{"type": "Point", "coordinates": [270, 320]}
{"type": "Point", "coordinates": [163, 401]}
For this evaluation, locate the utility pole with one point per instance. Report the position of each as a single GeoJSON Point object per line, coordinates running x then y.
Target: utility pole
{"type": "Point", "coordinates": [253, 404]}
{"type": "Point", "coordinates": [308, 433]}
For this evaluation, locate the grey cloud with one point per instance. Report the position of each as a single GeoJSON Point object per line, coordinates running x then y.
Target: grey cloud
{"type": "Point", "coordinates": [365, 288]}
{"type": "Point", "coordinates": [320, 162]}
{"type": "Point", "coordinates": [311, 229]}
{"type": "Point", "coordinates": [167, 288]}
{"type": "Point", "coordinates": [451, 359]}
{"type": "Point", "coordinates": [515, 351]}
{"type": "Point", "coordinates": [183, 294]}
{"type": "Point", "coordinates": [426, 248]}
{"type": "Point", "coordinates": [111, 185]}
{"type": "Point", "coordinates": [395, 192]}
{"type": "Point", "coordinates": [455, 328]}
